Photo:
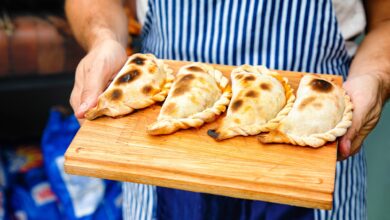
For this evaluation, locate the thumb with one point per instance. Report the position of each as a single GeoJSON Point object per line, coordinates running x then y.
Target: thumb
{"type": "Point", "coordinates": [89, 98]}
{"type": "Point", "coordinates": [93, 85]}
{"type": "Point", "coordinates": [345, 143]}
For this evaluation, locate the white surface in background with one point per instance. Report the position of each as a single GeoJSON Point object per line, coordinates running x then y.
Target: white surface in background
{"type": "Point", "coordinates": [85, 192]}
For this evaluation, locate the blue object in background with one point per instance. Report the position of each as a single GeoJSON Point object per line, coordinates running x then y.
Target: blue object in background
{"type": "Point", "coordinates": [176, 204]}
{"type": "Point", "coordinates": [36, 203]}
{"type": "Point", "coordinates": [83, 198]}
{"type": "Point", "coordinates": [29, 192]}
{"type": "Point", "coordinates": [3, 204]}
{"type": "Point", "coordinates": [111, 206]}
{"type": "Point", "coordinates": [3, 185]}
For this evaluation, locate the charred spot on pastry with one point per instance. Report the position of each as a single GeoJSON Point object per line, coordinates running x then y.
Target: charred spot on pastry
{"type": "Point", "coordinates": [321, 85]}
{"type": "Point", "coordinates": [152, 69]}
{"type": "Point", "coordinates": [183, 84]}
{"type": "Point", "coordinates": [252, 94]}
{"type": "Point", "coordinates": [265, 86]}
{"type": "Point", "coordinates": [317, 105]}
{"type": "Point", "coordinates": [186, 79]}
{"type": "Point", "coordinates": [249, 78]}
{"type": "Point", "coordinates": [236, 105]}
{"type": "Point", "coordinates": [306, 102]}
{"type": "Point", "coordinates": [138, 60]}
{"type": "Point", "coordinates": [169, 109]}
{"type": "Point", "coordinates": [239, 76]}
{"type": "Point", "coordinates": [181, 89]}
{"type": "Point", "coordinates": [116, 94]}
{"type": "Point", "coordinates": [213, 133]}
{"type": "Point", "coordinates": [195, 69]}
{"type": "Point", "coordinates": [147, 89]}
{"type": "Point", "coordinates": [128, 77]}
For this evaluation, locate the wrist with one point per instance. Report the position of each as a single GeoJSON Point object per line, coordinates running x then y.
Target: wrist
{"type": "Point", "coordinates": [102, 35]}
{"type": "Point", "coordinates": [386, 86]}
{"type": "Point", "coordinates": [377, 72]}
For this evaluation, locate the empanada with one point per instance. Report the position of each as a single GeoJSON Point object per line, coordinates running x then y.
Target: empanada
{"type": "Point", "coordinates": [141, 82]}
{"type": "Point", "coordinates": [321, 113]}
{"type": "Point", "coordinates": [199, 94]}
{"type": "Point", "coordinates": [261, 98]}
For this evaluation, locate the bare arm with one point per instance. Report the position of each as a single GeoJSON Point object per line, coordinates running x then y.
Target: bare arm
{"type": "Point", "coordinates": [368, 82]}
{"type": "Point", "coordinates": [96, 20]}
{"type": "Point", "coordinates": [373, 55]}
{"type": "Point", "coordinates": [100, 26]}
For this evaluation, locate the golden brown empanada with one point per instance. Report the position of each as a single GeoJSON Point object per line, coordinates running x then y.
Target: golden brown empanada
{"type": "Point", "coordinates": [141, 82]}
{"type": "Point", "coordinates": [199, 94]}
{"type": "Point", "coordinates": [322, 112]}
{"type": "Point", "coordinates": [261, 98]}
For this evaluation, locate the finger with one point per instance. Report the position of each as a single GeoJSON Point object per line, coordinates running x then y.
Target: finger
{"type": "Point", "coordinates": [340, 157]}
{"type": "Point", "coordinates": [345, 142]}
{"type": "Point", "coordinates": [74, 99]}
{"type": "Point", "coordinates": [357, 143]}
{"type": "Point", "coordinates": [75, 95]}
{"type": "Point", "coordinates": [344, 148]}
{"type": "Point", "coordinates": [81, 121]}
{"type": "Point", "coordinates": [94, 82]}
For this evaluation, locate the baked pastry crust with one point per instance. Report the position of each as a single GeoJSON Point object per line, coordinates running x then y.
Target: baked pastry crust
{"type": "Point", "coordinates": [199, 94]}
{"type": "Point", "coordinates": [142, 81]}
{"type": "Point", "coordinates": [261, 98]}
{"type": "Point", "coordinates": [321, 113]}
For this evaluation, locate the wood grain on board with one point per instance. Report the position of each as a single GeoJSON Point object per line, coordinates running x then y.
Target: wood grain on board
{"type": "Point", "coordinates": [241, 167]}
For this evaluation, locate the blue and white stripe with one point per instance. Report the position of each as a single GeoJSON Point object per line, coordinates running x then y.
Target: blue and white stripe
{"type": "Point", "coordinates": [350, 191]}
{"type": "Point", "coordinates": [289, 35]}
{"type": "Point", "coordinates": [139, 201]}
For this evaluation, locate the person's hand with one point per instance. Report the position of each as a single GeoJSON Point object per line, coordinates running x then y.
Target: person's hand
{"type": "Point", "coordinates": [365, 91]}
{"type": "Point", "coordinates": [94, 73]}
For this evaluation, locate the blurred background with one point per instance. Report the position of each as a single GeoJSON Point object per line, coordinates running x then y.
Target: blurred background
{"type": "Point", "coordinates": [378, 161]}
{"type": "Point", "coordinates": [38, 56]}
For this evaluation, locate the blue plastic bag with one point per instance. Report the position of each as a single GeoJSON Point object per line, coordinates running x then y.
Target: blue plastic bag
{"type": "Point", "coordinates": [3, 185]}
{"type": "Point", "coordinates": [84, 197]}
{"type": "Point", "coordinates": [36, 203]}
{"type": "Point", "coordinates": [30, 193]}
{"type": "Point", "coordinates": [111, 206]}
{"type": "Point", "coordinates": [3, 204]}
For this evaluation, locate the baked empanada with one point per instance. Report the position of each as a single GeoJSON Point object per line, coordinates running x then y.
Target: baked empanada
{"type": "Point", "coordinates": [321, 113]}
{"type": "Point", "coordinates": [199, 94]}
{"type": "Point", "coordinates": [141, 82]}
{"type": "Point", "coordinates": [261, 98]}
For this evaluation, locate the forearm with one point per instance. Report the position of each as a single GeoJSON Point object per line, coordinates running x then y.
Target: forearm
{"type": "Point", "coordinates": [93, 21]}
{"type": "Point", "coordinates": [373, 57]}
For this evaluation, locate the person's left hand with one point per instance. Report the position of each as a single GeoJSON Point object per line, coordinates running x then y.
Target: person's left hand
{"type": "Point", "coordinates": [365, 91]}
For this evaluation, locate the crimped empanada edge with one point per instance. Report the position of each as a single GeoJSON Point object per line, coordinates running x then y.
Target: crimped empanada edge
{"type": "Point", "coordinates": [318, 140]}
{"type": "Point", "coordinates": [169, 126]}
{"type": "Point", "coordinates": [159, 97]}
{"type": "Point", "coordinates": [272, 123]}
{"type": "Point", "coordinates": [289, 93]}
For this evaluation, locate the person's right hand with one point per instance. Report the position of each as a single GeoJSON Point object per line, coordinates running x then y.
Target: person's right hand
{"type": "Point", "coordinates": [94, 73]}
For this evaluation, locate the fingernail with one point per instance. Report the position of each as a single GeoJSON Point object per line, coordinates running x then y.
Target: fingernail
{"type": "Point", "coordinates": [347, 148]}
{"type": "Point", "coordinates": [83, 107]}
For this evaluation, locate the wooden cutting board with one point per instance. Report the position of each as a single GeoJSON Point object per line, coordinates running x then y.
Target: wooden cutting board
{"type": "Point", "coordinates": [120, 149]}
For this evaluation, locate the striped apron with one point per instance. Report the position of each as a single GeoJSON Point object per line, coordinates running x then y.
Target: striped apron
{"type": "Point", "coordinates": [288, 35]}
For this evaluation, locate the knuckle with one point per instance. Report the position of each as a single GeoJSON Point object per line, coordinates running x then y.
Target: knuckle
{"type": "Point", "coordinates": [73, 102]}
{"type": "Point", "coordinates": [80, 66]}
{"type": "Point", "coordinates": [88, 93]}
{"type": "Point", "coordinates": [74, 98]}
